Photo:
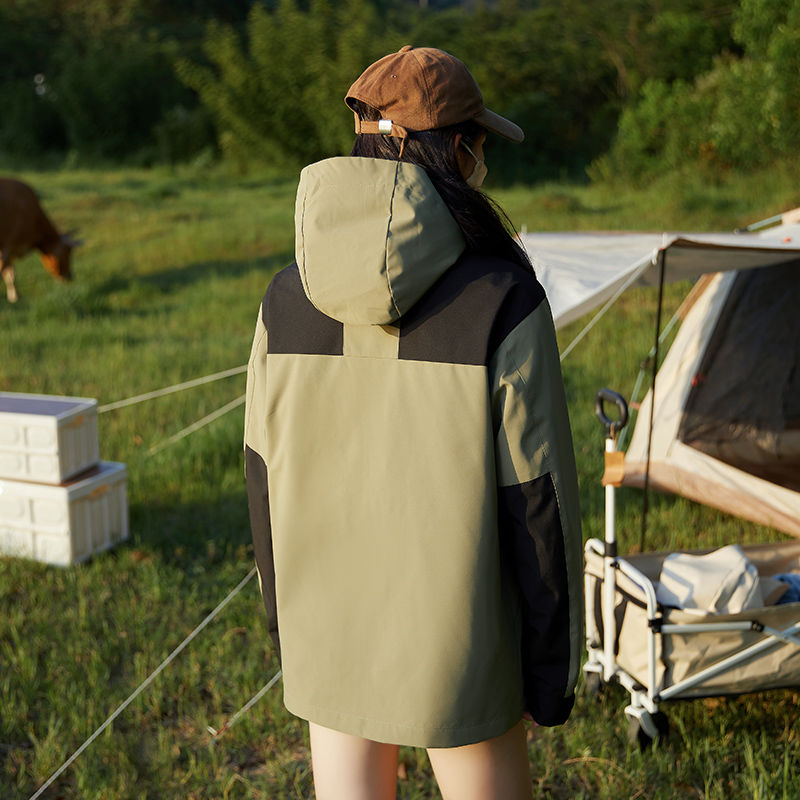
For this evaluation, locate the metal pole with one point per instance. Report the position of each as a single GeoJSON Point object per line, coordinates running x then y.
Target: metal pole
{"type": "Point", "coordinates": [661, 261]}
{"type": "Point", "coordinates": [609, 576]}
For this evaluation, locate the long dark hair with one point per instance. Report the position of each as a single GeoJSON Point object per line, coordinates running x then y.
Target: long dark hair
{"type": "Point", "coordinates": [486, 228]}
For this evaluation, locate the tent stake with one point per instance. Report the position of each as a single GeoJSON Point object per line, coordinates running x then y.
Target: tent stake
{"type": "Point", "coordinates": [661, 261]}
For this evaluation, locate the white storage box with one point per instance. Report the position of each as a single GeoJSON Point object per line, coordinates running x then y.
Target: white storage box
{"type": "Point", "coordinates": [47, 438]}
{"type": "Point", "coordinates": [67, 523]}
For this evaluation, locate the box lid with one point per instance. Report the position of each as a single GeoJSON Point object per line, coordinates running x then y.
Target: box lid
{"type": "Point", "coordinates": [43, 404]}
{"type": "Point", "coordinates": [75, 486]}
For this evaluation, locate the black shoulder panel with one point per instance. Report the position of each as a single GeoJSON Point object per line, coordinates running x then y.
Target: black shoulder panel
{"type": "Point", "coordinates": [293, 324]}
{"type": "Point", "coordinates": [468, 312]}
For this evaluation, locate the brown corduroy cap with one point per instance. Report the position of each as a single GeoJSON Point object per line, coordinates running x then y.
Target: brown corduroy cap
{"type": "Point", "coordinates": [421, 88]}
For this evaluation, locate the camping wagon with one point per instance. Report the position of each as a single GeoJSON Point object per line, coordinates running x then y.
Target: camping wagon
{"type": "Point", "coordinates": [721, 426]}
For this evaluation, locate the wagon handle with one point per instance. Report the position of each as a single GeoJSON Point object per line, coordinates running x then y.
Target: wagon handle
{"type": "Point", "coordinates": [613, 427]}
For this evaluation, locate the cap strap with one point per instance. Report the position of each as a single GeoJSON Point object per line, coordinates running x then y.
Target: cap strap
{"type": "Point", "coordinates": [384, 127]}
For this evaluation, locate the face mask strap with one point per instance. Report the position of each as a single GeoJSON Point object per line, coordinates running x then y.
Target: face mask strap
{"type": "Point", "coordinates": [469, 150]}
{"type": "Point", "coordinates": [478, 174]}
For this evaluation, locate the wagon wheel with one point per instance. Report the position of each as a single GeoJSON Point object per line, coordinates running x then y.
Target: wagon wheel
{"type": "Point", "coordinates": [593, 684]}
{"type": "Point", "coordinates": [637, 735]}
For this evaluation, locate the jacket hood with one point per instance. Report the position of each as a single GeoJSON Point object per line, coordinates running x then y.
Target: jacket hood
{"type": "Point", "coordinates": [371, 237]}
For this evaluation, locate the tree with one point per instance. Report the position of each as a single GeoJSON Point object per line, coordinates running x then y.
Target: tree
{"type": "Point", "coordinates": [741, 113]}
{"type": "Point", "coordinates": [277, 94]}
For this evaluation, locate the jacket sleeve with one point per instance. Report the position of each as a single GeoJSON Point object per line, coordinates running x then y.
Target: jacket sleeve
{"type": "Point", "coordinates": [538, 514]}
{"type": "Point", "coordinates": [256, 475]}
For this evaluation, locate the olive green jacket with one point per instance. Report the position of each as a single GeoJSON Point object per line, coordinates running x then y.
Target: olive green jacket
{"type": "Point", "coordinates": [410, 472]}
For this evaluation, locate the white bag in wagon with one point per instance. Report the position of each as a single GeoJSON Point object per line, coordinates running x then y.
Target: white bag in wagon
{"type": "Point", "coordinates": [721, 582]}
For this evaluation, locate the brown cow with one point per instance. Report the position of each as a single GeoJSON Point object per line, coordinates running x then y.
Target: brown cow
{"type": "Point", "coordinates": [23, 227]}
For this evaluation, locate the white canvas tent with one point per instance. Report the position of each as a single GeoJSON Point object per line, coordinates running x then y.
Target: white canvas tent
{"type": "Point", "coordinates": [726, 419]}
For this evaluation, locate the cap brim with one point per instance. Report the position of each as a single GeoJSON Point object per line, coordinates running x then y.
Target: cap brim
{"type": "Point", "coordinates": [500, 125]}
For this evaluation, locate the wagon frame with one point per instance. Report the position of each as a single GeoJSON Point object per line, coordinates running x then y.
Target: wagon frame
{"type": "Point", "coordinates": [752, 643]}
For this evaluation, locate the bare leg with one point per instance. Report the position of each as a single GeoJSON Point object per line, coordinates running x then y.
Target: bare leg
{"type": "Point", "coordinates": [8, 276]}
{"type": "Point", "coordinates": [351, 768]}
{"type": "Point", "coordinates": [495, 769]}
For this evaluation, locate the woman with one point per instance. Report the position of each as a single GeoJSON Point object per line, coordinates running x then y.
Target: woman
{"type": "Point", "coordinates": [409, 461]}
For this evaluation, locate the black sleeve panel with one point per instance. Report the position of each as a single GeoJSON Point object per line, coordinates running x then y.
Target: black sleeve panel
{"type": "Point", "coordinates": [524, 297]}
{"type": "Point", "coordinates": [532, 545]}
{"type": "Point", "coordinates": [258, 501]}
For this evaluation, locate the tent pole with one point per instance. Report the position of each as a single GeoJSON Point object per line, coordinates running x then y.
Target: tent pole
{"type": "Point", "coordinates": [661, 260]}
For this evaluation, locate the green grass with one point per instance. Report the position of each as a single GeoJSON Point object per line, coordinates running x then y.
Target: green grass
{"type": "Point", "coordinates": [166, 289]}
{"type": "Point", "coordinates": [692, 200]}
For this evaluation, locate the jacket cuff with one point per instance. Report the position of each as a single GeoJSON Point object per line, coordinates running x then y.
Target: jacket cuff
{"type": "Point", "coordinates": [549, 710]}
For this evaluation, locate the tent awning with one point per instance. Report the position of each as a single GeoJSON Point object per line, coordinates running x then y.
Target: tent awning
{"type": "Point", "coordinates": [580, 271]}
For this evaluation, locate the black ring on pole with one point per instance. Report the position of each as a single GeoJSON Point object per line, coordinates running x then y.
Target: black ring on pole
{"type": "Point", "coordinates": [613, 427]}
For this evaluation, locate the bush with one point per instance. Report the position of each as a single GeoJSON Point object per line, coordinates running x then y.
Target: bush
{"type": "Point", "coordinates": [182, 134]}
{"type": "Point", "coordinates": [277, 96]}
{"type": "Point", "coordinates": [30, 122]}
{"type": "Point", "coordinates": [739, 126]}
{"type": "Point", "coordinates": [683, 45]}
{"type": "Point", "coordinates": [112, 93]}
{"type": "Point", "coordinates": [783, 105]}
{"type": "Point", "coordinates": [741, 114]}
{"type": "Point", "coordinates": [660, 132]}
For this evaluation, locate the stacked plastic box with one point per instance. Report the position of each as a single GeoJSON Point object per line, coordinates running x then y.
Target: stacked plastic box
{"type": "Point", "coordinates": [59, 503]}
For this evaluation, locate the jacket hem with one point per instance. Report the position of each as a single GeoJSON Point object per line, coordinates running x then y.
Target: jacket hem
{"type": "Point", "coordinates": [406, 735]}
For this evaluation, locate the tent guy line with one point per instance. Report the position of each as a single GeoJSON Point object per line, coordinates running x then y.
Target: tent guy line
{"type": "Point", "coordinates": [150, 678]}
{"type": "Point", "coordinates": [195, 426]}
{"type": "Point", "coordinates": [146, 682]}
{"type": "Point", "coordinates": [610, 302]}
{"type": "Point", "coordinates": [247, 706]}
{"type": "Point", "coordinates": [623, 436]}
{"type": "Point", "coordinates": [177, 387]}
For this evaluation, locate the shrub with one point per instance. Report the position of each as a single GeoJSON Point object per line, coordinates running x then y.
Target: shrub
{"type": "Point", "coordinates": [278, 96]}
{"type": "Point", "coordinates": [741, 114]}
{"type": "Point", "coordinates": [659, 132]}
{"type": "Point", "coordinates": [682, 45]}
{"type": "Point", "coordinates": [30, 122]}
{"type": "Point", "coordinates": [182, 134]}
{"type": "Point", "coordinates": [111, 94]}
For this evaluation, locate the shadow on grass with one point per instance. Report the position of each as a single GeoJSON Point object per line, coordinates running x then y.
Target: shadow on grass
{"type": "Point", "coordinates": [178, 278]}
{"type": "Point", "coordinates": [191, 534]}
{"type": "Point", "coordinates": [138, 295]}
{"type": "Point", "coordinates": [561, 202]}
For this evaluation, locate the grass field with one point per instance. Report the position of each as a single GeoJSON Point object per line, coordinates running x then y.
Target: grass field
{"type": "Point", "coordinates": [167, 287]}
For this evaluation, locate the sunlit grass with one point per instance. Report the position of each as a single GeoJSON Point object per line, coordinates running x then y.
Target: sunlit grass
{"type": "Point", "coordinates": [692, 200]}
